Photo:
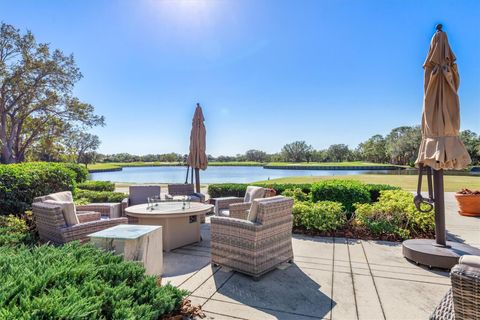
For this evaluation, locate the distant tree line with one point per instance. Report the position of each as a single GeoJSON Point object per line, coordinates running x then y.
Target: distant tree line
{"type": "Point", "coordinates": [400, 147]}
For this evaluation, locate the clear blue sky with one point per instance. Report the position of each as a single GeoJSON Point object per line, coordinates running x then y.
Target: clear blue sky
{"type": "Point", "coordinates": [265, 72]}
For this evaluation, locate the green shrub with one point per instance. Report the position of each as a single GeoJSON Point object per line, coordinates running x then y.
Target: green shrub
{"type": "Point", "coordinates": [238, 189]}
{"type": "Point", "coordinates": [395, 213]}
{"type": "Point", "coordinates": [347, 192]}
{"type": "Point", "coordinates": [375, 189]}
{"type": "Point", "coordinates": [97, 185]}
{"type": "Point", "coordinates": [20, 183]}
{"type": "Point", "coordinates": [13, 231]}
{"type": "Point", "coordinates": [227, 190]}
{"type": "Point", "coordinates": [89, 196]}
{"type": "Point", "coordinates": [297, 194]}
{"type": "Point", "coordinates": [320, 216]}
{"type": "Point", "coordinates": [81, 172]}
{"type": "Point", "coordinates": [79, 282]}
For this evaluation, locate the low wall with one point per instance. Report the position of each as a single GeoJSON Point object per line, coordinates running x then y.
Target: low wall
{"type": "Point", "coordinates": [105, 170]}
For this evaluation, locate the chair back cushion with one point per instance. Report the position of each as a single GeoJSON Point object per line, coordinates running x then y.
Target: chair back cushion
{"type": "Point", "coordinates": [470, 260]}
{"type": "Point", "coordinates": [68, 210]}
{"type": "Point", "coordinates": [253, 214]}
{"type": "Point", "coordinates": [253, 193]}
{"type": "Point", "coordinates": [60, 196]}
{"type": "Point", "coordinates": [182, 189]}
{"type": "Point", "coordinates": [139, 194]}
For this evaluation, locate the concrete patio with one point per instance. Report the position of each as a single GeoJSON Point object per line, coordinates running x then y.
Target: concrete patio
{"type": "Point", "coordinates": [332, 278]}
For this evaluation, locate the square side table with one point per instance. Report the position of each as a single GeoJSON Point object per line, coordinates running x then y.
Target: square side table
{"type": "Point", "coordinates": [136, 243]}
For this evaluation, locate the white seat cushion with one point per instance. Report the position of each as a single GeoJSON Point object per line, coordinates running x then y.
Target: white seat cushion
{"type": "Point", "coordinates": [224, 213]}
{"type": "Point", "coordinates": [68, 210]}
{"type": "Point", "coordinates": [469, 260]}
{"type": "Point", "coordinates": [60, 196]}
{"type": "Point", "coordinates": [253, 193]}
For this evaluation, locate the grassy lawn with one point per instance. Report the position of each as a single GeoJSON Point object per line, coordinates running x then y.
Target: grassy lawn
{"type": "Point", "coordinates": [115, 165]}
{"type": "Point", "coordinates": [407, 182]}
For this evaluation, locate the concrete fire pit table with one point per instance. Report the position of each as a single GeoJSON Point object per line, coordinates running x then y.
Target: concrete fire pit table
{"type": "Point", "coordinates": [180, 221]}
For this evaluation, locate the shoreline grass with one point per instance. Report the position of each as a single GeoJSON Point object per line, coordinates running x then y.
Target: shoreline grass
{"type": "Point", "coordinates": [117, 165]}
{"type": "Point", "coordinates": [406, 182]}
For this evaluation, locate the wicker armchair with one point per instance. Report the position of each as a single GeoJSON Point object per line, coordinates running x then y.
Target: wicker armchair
{"type": "Point", "coordinates": [52, 226]}
{"type": "Point", "coordinates": [462, 301]}
{"type": "Point", "coordinates": [257, 245]}
{"type": "Point", "coordinates": [109, 210]}
{"type": "Point", "coordinates": [139, 194]}
{"type": "Point", "coordinates": [226, 205]}
{"type": "Point", "coordinates": [184, 189]}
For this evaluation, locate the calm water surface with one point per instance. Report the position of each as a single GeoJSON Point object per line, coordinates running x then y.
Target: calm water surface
{"type": "Point", "coordinates": [213, 174]}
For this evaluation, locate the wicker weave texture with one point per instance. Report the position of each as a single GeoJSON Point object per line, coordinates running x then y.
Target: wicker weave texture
{"type": "Point", "coordinates": [111, 210]}
{"type": "Point", "coordinates": [254, 248]}
{"type": "Point", "coordinates": [444, 310]}
{"type": "Point", "coordinates": [51, 224]}
{"type": "Point", "coordinates": [466, 291]}
{"type": "Point", "coordinates": [182, 189]}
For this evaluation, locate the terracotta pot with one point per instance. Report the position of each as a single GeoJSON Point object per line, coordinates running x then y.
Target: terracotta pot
{"type": "Point", "coordinates": [469, 204]}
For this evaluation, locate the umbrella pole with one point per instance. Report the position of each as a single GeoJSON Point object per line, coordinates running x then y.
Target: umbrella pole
{"type": "Point", "coordinates": [437, 253]}
{"type": "Point", "coordinates": [440, 233]}
{"type": "Point", "coordinates": [197, 179]}
{"type": "Point", "coordinates": [186, 178]}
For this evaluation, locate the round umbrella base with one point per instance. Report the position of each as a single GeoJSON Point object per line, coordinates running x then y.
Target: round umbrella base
{"type": "Point", "coordinates": [427, 252]}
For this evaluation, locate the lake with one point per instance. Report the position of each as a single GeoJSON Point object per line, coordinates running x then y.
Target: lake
{"type": "Point", "coordinates": [213, 174]}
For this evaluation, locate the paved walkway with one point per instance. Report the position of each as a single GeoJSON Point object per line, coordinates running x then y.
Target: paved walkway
{"type": "Point", "coordinates": [330, 279]}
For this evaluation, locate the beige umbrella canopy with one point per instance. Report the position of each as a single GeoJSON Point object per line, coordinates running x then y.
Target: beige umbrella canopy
{"type": "Point", "coordinates": [441, 147]}
{"type": "Point", "coordinates": [197, 158]}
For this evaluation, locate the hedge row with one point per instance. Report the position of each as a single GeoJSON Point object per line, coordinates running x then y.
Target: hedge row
{"type": "Point", "coordinates": [346, 192]}
{"type": "Point", "coordinates": [21, 183]}
{"type": "Point", "coordinates": [97, 185]}
{"type": "Point", "coordinates": [238, 189]}
{"type": "Point", "coordinates": [395, 213]}
{"type": "Point", "coordinates": [394, 216]}
{"type": "Point", "coordinates": [79, 282]}
{"type": "Point", "coordinates": [88, 196]}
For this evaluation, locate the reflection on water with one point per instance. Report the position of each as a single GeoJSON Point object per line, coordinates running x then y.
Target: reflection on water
{"type": "Point", "coordinates": [214, 174]}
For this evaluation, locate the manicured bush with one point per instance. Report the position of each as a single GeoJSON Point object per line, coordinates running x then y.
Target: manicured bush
{"type": "Point", "coordinates": [88, 196]}
{"type": "Point", "coordinates": [81, 172]}
{"type": "Point", "coordinates": [347, 192]}
{"type": "Point", "coordinates": [97, 185]}
{"type": "Point", "coordinates": [297, 194]}
{"type": "Point", "coordinates": [375, 189]}
{"type": "Point", "coordinates": [395, 214]}
{"type": "Point", "coordinates": [319, 216]}
{"type": "Point", "coordinates": [13, 231]}
{"type": "Point", "coordinates": [238, 189]}
{"type": "Point", "coordinates": [79, 282]}
{"type": "Point", "coordinates": [20, 183]}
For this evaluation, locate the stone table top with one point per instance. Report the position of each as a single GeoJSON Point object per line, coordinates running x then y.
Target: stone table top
{"type": "Point", "coordinates": [124, 232]}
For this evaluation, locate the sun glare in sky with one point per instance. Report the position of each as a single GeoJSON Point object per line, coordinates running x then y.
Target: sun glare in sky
{"type": "Point", "coordinates": [185, 13]}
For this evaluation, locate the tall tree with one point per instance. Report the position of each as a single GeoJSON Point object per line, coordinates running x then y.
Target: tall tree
{"type": "Point", "coordinates": [374, 149]}
{"type": "Point", "coordinates": [82, 144]}
{"type": "Point", "coordinates": [339, 152]}
{"type": "Point", "coordinates": [402, 144]}
{"type": "Point", "coordinates": [471, 140]}
{"type": "Point", "coordinates": [297, 151]}
{"type": "Point", "coordinates": [256, 155]}
{"type": "Point", "coordinates": [36, 86]}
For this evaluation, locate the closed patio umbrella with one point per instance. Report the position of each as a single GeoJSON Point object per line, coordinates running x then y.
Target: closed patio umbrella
{"type": "Point", "coordinates": [197, 158]}
{"type": "Point", "coordinates": [441, 148]}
